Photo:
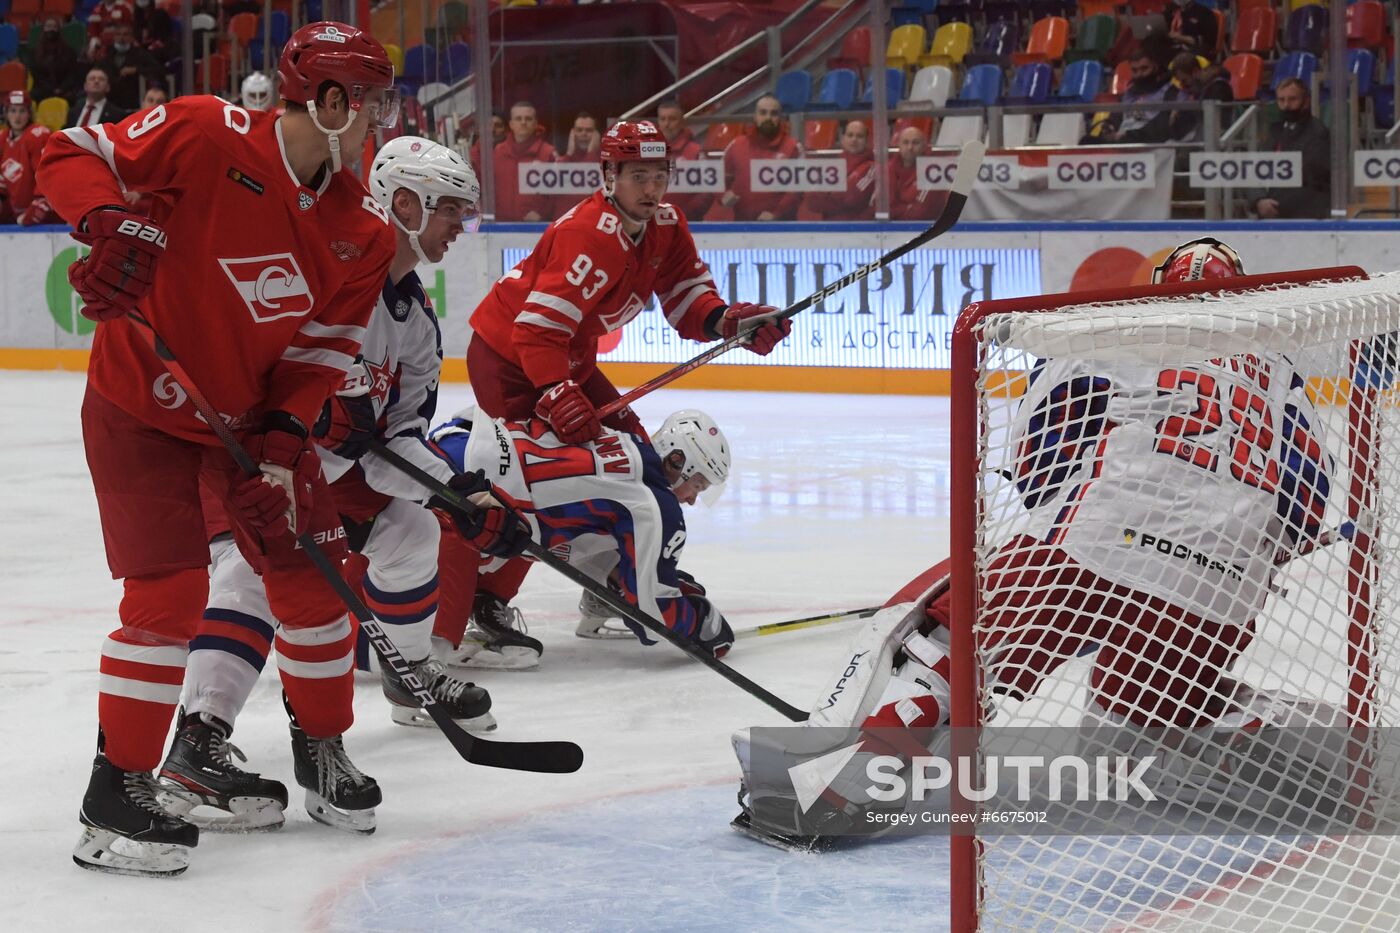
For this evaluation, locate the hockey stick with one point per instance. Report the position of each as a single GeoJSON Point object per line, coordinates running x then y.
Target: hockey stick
{"type": "Point", "coordinates": [547, 757]}
{"type": "Point", "coordinates": [613, 600]}
{"type": "Point", "coordinates": [792, 625]}
{"type": "Point", "coordinates": [963, 178]}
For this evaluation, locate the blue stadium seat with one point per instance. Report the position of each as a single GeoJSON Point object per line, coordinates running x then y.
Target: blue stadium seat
{"type": "Point", "coordinates": [420, 64]}
{"type": "Point", "coordinates": [794, 90]}
{"type": "Point", "coordinates": [894, 87]}
{"type": "Point", "coordinates": [999, 40]}
{"type": "Point", "coordinates": [838, 90]}
{"type": "Point", "coordinates": [906, 16]}
{"type": "Point", "coordinates": [1306, 30]}
{"type": "Point", "coordinates": [981, 87]}
{"type": "Point", "coordinates": [1361, 64]}
{"type": "Point", "coordinates": [1081, 82]}
{"type": "Point", "coordinates": [281, 29]}
{"type": "Point", "coordinates": [9, 42]}
{"type": "Point", "coordinates": [1300, 65]}
{"type": "Point", "coordinates": [1030, 84]}
{"type": "Point", "coordinates": [459, 61]}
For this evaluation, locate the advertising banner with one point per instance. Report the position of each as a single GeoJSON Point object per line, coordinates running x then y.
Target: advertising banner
{"type": "Point", "coordinates": [697, 175]}
{"type": "Point", "coordinates": [580, 178]}
{"type": "Point", "coordinates": [996, 171]}
{"type": "Point", "coordinates": [1247, 169]}
{"type": "Point", "coordinates": [797, 175]}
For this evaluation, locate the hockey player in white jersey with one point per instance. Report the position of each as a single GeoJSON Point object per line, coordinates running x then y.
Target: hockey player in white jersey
{"type": "Point", "coordinates": [610, 506]}
{"type": "Point", "coordinates": [1157, 516]}
{"type": "Point", "coordinates": [431, 194]}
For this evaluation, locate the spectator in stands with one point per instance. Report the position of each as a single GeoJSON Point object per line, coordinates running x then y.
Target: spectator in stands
{"type": "Point", "coordinates": [21, 143]}
{"type": "Point", "coordinates": [855, 202]}
{"type": "Point", "coordinates": [1195, 83]}
{"type": "Point", "coordinates": [94, 106]}
{"type": "Point", "coordinates": [524, 144]}
{"type": "Point", "coordinates": [1195, 29]}
{"type": "Point", "coordinates": [155, 96]}
{"type": "Point", "coordinates": [54, 65]}
{"type": "Point", "coordinates": [766, 139]}
{"type": "Point", "coordinates": [1297, 130]}
{"type": "Point", "coordinates": [127, 65]}
{"type": "Point", "coordinates": [585, 138]}
{"type": "Point", "coordinates": [1149, 84]}
{"type": "Point", "coordinates": [498, 136]}
{"type": "Point", "coordinates": [103, 17]}
{"type": "Point", "coordinates": [159, 37]}
{"type": "Point", "coordinates": [682, 144]}
{"type": "Point", "coordinates": [907, 201]}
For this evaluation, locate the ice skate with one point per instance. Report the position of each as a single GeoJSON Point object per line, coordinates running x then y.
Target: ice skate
{"type": "Point", "coordinates": [199, 774]}
{"type": "Point", "coordinates": [465, 702]}
{"type": "Point", "coordinates": [125, 831]}
{"type": "Point", "coordinates": [337, 793]}
{"type": "Point", "coordinates": [496, 640]}
{"type": "Point", "coordinates": [599, 620]}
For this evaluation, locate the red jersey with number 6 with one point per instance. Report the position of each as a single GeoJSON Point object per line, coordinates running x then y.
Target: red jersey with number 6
{"type": "Point", "coordinates": [587, 277]}
{"type": "Point", "coordinates": [266, 285]}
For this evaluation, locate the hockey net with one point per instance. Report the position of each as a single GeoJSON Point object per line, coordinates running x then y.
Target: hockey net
{"type": "Point", "coordinates": [1187, 609]}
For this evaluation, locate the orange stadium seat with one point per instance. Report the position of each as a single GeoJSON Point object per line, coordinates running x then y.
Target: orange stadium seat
{"type": "Point", "coordinates": [819, 134]}
{"type": "Point", "coordinates": [1048, 41]}
{"type": "Point", "coordinates": [1256, 30]}
{"type": "Point", "coordinates": [719, 135]}
{"type": "Point", "coordinates": [1246, 72]}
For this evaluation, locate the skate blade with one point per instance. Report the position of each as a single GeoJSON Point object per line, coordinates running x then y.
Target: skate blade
{"type": "Point", "coordinates": [360, 822]}
{"type": "Point", "coordinates": [506, 658]}
{"type": "Point", "coordinates": [743, 824]}
{"type": "Point", "coordinates": [600, 630]}
{"type": "Point", "coordinates": [104, 850]}
{"type": "Point", "coordinates": [414, 716]}
{"type": "Point", "coordinates": [243, 814]}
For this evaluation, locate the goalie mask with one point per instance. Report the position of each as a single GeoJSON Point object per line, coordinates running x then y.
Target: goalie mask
{"type": "Point", "coordinates": [1206, 258]}
{"type": "Point", "coordinates": [704, 447]}
{"type": "Point", "coordinates": [257, 92]}
{"type": "Point", "coordinates": [429, 170]}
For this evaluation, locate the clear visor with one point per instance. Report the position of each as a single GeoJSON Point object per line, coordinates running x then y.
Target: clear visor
{"type": "Point", "coordinates": [695, 487]}
{"type": "Point", "coordinates": [380, 105]}
{"type": "Point", "coordinates": [457, 211]}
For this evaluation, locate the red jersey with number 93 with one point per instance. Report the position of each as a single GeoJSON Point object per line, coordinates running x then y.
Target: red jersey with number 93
{"type": "Point", "coordinates": [266, 285]}
{"type": "Point", "coordinates": [587, 277]}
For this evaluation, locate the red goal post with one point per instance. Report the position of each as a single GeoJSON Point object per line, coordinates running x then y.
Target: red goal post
{"type": "Point", "coordinates": [972, 383]}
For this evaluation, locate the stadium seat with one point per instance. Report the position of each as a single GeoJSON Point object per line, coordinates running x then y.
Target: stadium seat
{"type": "Point", "coordinates": [25, 7]}
{"type": "Point", "coordinates": [1122, 76]}
{"type": "Point", "coordinates": [922, 124]}
{"type": "Point", "coordinates": [1147, 7]}
{"type": "Point", "coordinates": [1256, 31]}
{"type": "Point", "coordinates": [955, 131]}
{"type": "Point", "coordinates": [998, 42]}
{"type": "Point", "coordinates": [1030, 84]}
{"type": "Point", "coordinates": [1048, 40]}
{"type": "Point", "coordinates": [1361, 65]}
{"type": "Point", "coordinates": [905, 47]}
{"type": "Point", "coordinates": [981, 87]}
{"type": "Point", "coordinates": [1088, 9]}
{"type": "Point", "coordinates": [1306, 30]}
{"type": "Point", "coordinates": [1299, 4]}
{"type": "Point", "coordinates": [1242, 5]}
{"type": "Point", "coordinates": [932, 85]}
{"type": "Point", "coordinates": [420, 64]}
{"type": "Point", "coordinates": [280, 25]}
{"type": "Point", "coordinates": [1095, 38]}
{"type": "Point", "coordinates": [215, 65]}
{"type": "Point", "coordinates": [395, 57]}
{"type": "Point", "coordinates": [1060, 129]}
{"type": "Point", "coordinates": [13, 77]}
{"type": "Point", "coordinates": [58, 7]}
{"type": "Point", "coordinates": [1080, 82]}
{"type": "Point", "coordinates": [720, 135]}
{"type": "Point", "coordinates": [855, 51]}
{"type": "Point", "coordinates": [9, 42]}
{"type": "Point", "coordinates": [1365, 25]}
{"type": "Point", "coordinates": [1300, 65]}
{"type": "Point", "coordinates": [819, 134]}
{"type": "Point", "coordinates": [459, 61]}
{"type": "Point", "coordinates": [1246, 74]}
{"type": "Point", "coordinates": [951, 42]}
{"type": "Point", "coordinates": [243, 27]}
{"type": "Point", "coordinates": [894, 87]}
{"type": "Point", "coordinates": [838, 90]}
{"type": "Point", "coordinates": [906, 16]}
{"type": "Point", "coordinates": [453, 18]}
{"type": "Point", "coordinates": [52, 112]}
{"type": "Point", "coordinates": [75, 34]}
{"type": "Point", "coordinates": [794, 90]}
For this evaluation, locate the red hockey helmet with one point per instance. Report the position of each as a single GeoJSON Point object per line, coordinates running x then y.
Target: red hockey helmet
{"type": "Point", "coordinates": [321, 52]}
{"type": "Point", "coordinates": [632, 142]}
{"type": "Point", "coordinates": [1205, 258]}
{"type": "Point", "coordinates": [18, 97]}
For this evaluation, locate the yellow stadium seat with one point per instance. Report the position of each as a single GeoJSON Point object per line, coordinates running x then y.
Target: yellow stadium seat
{"type": "Point", "coordinates": [52, 112]}
{"type": "Point", "coordinates": [951, 42]}
{"type": "Point", "coordinates": [395, 57]}
{"type": "Point", "coordinates": [905, 46]}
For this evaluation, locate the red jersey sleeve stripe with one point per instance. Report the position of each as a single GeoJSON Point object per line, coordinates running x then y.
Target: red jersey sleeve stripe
{"type": "Point", "coordinates": [554, 303]}
{"type": "Point", "coordinates": [678, 312]}
{"type": "Point", "coordinates": [320, 356]}
{"type": "Point", "coordinates": [94, 139]}
{"type": "Point", "coordinates": [350, 332]}
{"type": "Point", "coordinates": [539, 320]}
{"type": "Point", "coordinates": [688, 283]}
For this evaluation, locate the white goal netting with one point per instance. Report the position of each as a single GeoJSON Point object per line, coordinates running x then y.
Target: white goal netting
{"type": "Point", "coordinates": [1185, 539]}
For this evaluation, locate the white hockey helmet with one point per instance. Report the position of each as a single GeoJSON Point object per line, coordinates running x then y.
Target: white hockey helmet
{"type": "Point", "coordinates": [429, 170]}
{"type": "Point", "coordinates": [703, 445]}
{"type": "Point", "coordinates": [257, 91]}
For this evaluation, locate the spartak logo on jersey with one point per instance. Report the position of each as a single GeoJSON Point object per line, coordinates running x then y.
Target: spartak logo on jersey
{"type": "Point", "coordinates": [630, 308]}
{"type": "Point", "coordinates": [271, 286]}
{"type": "Point", "coordinates": [11, 170]}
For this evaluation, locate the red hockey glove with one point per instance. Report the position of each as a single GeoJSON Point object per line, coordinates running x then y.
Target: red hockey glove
{"type": "Point", "coordinates": [569, 413]}
{"type": "Point", "coordinates": [493, 528]}
{"type": "Point", "coordinates": [278, 501]}
{"type": "Point", "coordinates": [756, 323]}
{"type": "Point", "coordinates": [121, 268]}
{"type": "Point", "coordinates": [348, 423]}
{"type": "Point", "coordinates": [37, 212]}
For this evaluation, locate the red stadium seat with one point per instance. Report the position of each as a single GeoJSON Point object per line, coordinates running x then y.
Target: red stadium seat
{"type": "Point", "coordinates": [819, 134]}
{"type": "Point", "coordinates": [719, 135]}
{"type": "Point", "coordinates": [1246, 73]}
{"type": "Point", "coordinates": [1365, 25]}
{"type": "Point", "coordinates": [1256, 31]}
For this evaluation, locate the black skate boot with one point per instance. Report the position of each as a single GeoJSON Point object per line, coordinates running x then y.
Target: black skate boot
{"type": "Point", "coordinates": [496, 640]}
{"type": "Point", "coordinates": [337, 793]}
{"type": "Point", "coordinates": [199, 772]}
{"type": "Point", "coordinates": [465, 702]}
{"type": "Point", "coordinates": [125, 831]}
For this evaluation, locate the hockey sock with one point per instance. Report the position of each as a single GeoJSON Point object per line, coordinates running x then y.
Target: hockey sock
{"type": "Point", "coordinates": [226, 657]}
{"type": "Point", "coordinates": [407, 615]}
{"type": "Point", "coordinates": [316, 665]}
{"type": "Point", "coordinates": [458, 564]}
{"type": "Point", "coordinates": [143, 665]}
{"type": "Point", "coordinates": [506, 582]}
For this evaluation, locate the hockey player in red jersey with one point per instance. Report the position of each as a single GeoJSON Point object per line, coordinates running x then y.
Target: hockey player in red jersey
{"type": "Point", "coordinates": [259, 272]}
{"type": "Point", "coordinates": [21, 144]}
{"type": "Point", "coordinates": [535, 335]}
{"type": "Point", "coordinates": [1088, 467]}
